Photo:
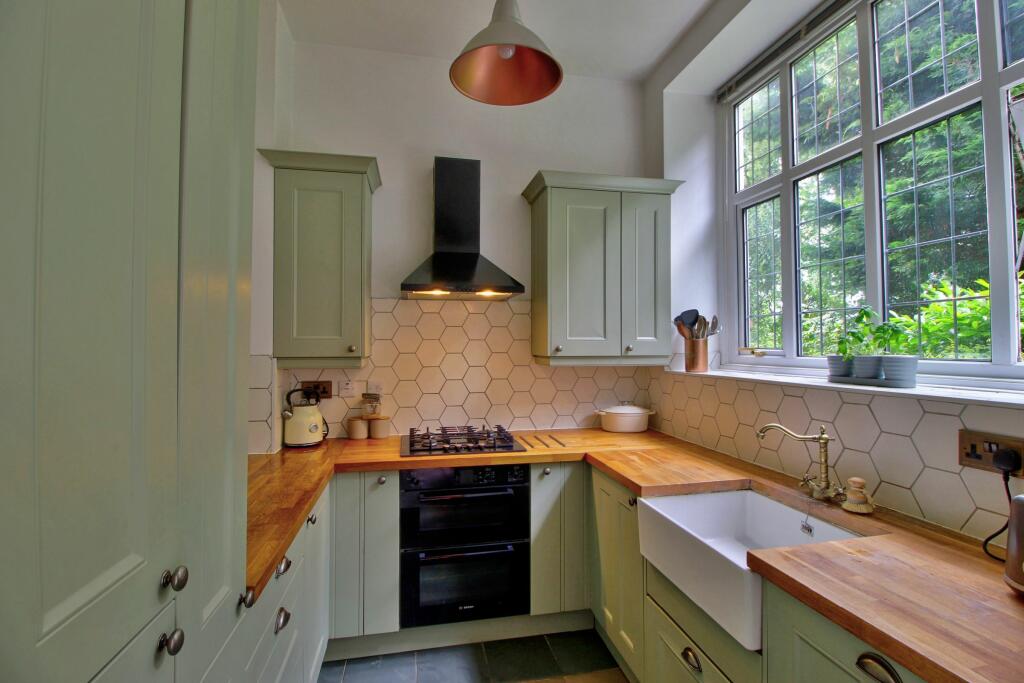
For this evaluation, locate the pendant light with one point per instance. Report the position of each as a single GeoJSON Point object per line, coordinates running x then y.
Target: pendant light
{"type": "Point", "coordinates": [506, 63]}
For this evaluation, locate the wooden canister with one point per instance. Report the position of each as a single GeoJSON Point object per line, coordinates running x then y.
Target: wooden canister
{"type": "Point", "coordinates": [696, 355]}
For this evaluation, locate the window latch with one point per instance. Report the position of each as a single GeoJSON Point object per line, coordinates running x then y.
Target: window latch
{"type": "Point", "coordinates": [750, 350]}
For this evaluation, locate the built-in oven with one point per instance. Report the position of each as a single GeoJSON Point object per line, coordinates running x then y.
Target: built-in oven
{"type": "Point", "coordinates": [465, 544]}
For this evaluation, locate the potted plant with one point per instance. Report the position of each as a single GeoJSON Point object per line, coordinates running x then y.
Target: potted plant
{"type": "Point", "coordinates": [857, 349]}
{"type": "Point", "coordinates": [899, 370]}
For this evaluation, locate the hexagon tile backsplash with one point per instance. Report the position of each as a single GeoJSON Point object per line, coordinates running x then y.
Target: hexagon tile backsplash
{"type": "Point", "coordinates": [455, 362]}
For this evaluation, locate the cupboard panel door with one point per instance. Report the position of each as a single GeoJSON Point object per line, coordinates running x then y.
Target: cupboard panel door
{"type": "Point", "coordinates": [546, 538]}
{"type": "Point", "coordinates": [318, 255]}
{"type": "Point", "coordinates": [317, 595]}
{"type": "Point", "coordinates": [347, 555]}
{"type": "Point", "coordinates": [140, 661]}
{"type": "Point", "coordinates": [380, 552]}
{"type": "Point", "coordinates": [646, 287]}
{"type": "Point", "coordinates": [584, 268]}
{"type": "Point", "coordinates": [575, 581]}
{"type": "Point", "coordinates": [89, 497]}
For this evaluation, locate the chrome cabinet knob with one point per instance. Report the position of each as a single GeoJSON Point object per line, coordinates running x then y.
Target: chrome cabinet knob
{"type": "Point", "coordinates": [171, 642]}
{"type": "Point", "coordinates": [177, 579]}
{"type": "Point", "coordinates": [629, 348]}
{"type": "Point", "coordinates": [311, 520]}
{"type": "Point", "coordinates": [247, 599]}
{"type": "Point", "coordinates": [691, 659]}
{"type": "Point", "coordinates": [352, 348]}
{"type": "Point", "coordinates": [547, 471]}
{"type": "Point", "coordinates": [382, 480]}
{"type": "Point", "coordinates": [558, 349]}
{"type": "Point", "coordinates": [282, 567]}
{"type": "Point", "coordinates": [281, 620]}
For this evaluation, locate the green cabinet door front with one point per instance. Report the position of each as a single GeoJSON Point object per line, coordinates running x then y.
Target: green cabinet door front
{"type": "Point", "coordinates": [646, 288]}
{"type": "Point", "coordinates": [318, 264]}
{"type": "Point", "coordinates": [143, 660]}
{"type": "Point", "coordinates": [584, 281]}
{"type": "Point", "coordinates": [380, 552]}
{"type": "Point", "coordinates": [670, 656]}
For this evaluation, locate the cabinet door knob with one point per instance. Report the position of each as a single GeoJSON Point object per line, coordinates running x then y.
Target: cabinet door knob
{"type": "Point", "coordinates": [629, 348]}
{"type": "Point", "coordinates": [691, 659]}
{"type": "Point", "coordinates": [177, 579]}
{"type": "Point", "coordinates": [547, 471]}
{"type": "Point", "coordinates": [352, 348]}
{"type": "Point", "coordinates": [171, 642]}
{"type": "Point", "coordinates": [311, 519]}
{"type": "Point", "coordinates": [877, 668]}
{"type": "Point", "coordinates": [558, 349]}
{"type": "Point", "coordinates": [248, 598]}
{"type": "Point", "coordinates": [632, 501]}
{"type": "Point", "coordinates": [382, 480]}
{"type": "Point", "coordinates": [281, 620]}
{"type": "Point", "coordinates": [283, 566]}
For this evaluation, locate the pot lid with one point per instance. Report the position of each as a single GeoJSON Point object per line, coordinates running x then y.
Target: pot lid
{"type": "Point", "coordinates": [627, 410]}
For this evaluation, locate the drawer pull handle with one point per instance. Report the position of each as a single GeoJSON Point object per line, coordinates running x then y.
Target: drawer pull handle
{"type": "Point", "coordinates": [282, 567]}
{"type": "Point", "coordinates": [247, 599]}
{"type": "Point", "coordinates": [632, 501]}
{"type": "Point", "coordinates": [878, 668]}
{"type": "Point", "coordinates": [311, 520]}
{"type": "Point", "coordinates": [281, 620]}
{"type": "Point", "coordinates": [691, 659]}
{"type": "Point", "coordinates": [172, 642]}
{"type": "Point", "coordinates": [177, 579]}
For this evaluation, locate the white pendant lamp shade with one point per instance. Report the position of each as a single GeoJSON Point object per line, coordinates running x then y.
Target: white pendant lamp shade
{"type": "Point", "coordinates": [506, 63]}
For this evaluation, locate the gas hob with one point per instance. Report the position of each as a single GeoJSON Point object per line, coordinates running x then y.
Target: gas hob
{"type": "Point", "coordinates": [459, 440]}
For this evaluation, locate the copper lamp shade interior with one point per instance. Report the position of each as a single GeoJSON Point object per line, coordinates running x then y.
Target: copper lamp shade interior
{"type": "Point", "coordinates": [506, 63]}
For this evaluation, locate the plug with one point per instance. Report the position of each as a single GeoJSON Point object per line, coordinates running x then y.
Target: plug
{"type": "Point", "coordinates": [1007, 461]}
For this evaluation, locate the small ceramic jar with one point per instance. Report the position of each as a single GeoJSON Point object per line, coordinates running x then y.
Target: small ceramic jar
{"type": "Point", "coordinates": [380, 429]}
{"type": "Point", "coordinates": [357, 428]}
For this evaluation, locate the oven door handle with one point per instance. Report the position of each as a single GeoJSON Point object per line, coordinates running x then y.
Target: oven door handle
{"type": "Point", "coordinates": [427, 557]}
{"type": "Point", "coordinates": [465, 496]}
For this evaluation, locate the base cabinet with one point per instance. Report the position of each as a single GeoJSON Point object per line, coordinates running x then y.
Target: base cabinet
{"type": "Point", "coordinates": [669, 654]}
{"type": "Point", "coordinates": [316, 603]}
{"type": "Point", "coordinates": [557, 568]}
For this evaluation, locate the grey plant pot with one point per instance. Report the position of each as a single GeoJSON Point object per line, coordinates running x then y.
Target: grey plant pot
{"type": "Point", "coordinates": [900, 371]}
{"type": "Point", "coordinates": [867, 367]}
{"type": "Point", "coordinates": [839, 367]}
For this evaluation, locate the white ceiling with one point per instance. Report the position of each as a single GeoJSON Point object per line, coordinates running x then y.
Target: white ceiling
{"type": "Point", "coordinates": [620, 39]}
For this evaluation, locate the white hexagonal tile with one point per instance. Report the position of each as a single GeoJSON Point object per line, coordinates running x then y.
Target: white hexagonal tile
{"type": "Point", "coordinates": [793, 414]}
{"type": "Point", "coordinates": [943, 498]}
{"type": "Point", "coordinates": [823, 404]}
{"type": "Point", "coordinates": [476, 326]}
{"type": "Point", "coordinates": [982, 523]}
{"type": "Point", "coordinates": [564, 422]}
{"type": "Point", "coordinates": [586, 415]}
{"type": "Point", "coordinates": [942, 407]}
{"type": "Point", "coordinates": [499, 340]}
{"type": "Point", "coordinates": [766, 457]}
{"type": "Point", "coordinates": [726, 445]}
{"type": "Point", "coordinates": [936, 438]}
{"type": "Point", "coordinates": [1006, 421]}
{"type": "Point", "coordinates": [521, 354]}
{"type": "Point", "coordinates": [499, 391]}
{"type": "Point", "coordinates": [407, 394]}
{"type": "Point", "coordinates": [709, 432]}
{"type": "Point", "coordinates": [259, 405]}
{"type": "Point", "coordinates": [769, 396]}
{"type": "Point", "coordinates": [564, 378]}
{"type": "Point", "coordinates": [543, 391]}
{"type": "Point", "coordinates": [499, 366]}
{"type": "Point", "coordinates": [606, 398]}
{"type": "Point", "coordinates": [585, 390]}
{"type": "Point", "coordinates": [727, 420]}
{"type": "Point", "coordinates": [430, 407]}
{"type": "Point", "coordinates": [543, 416]}
{"type": "Point", "coordinates": [430, 352]}
{"type": "Point", "coordinates": [520, 424]}
{"type": "Point", "coordinates": [747, 443]}
{"type": "Point", "coordinates": [694, 414]}
{"type": "Point", "coordinates": [454, 415]}
{"type": "Point", "coordinates": [407, 339]}
{"type": "Point", "coordinates": [384, 352]}
{"type": "Point", "coordinates": [431, 380]}
{"type": "Point", "coordinates": [626, 389]}
{"type": "Point", "coordinates": [857, 427]}
{"type": "Point", "coordinates": [476, 352]}
{"type": "Point", "coordinates": [430, 326]}
{"type": "Point", "coordinates": [679, 397]}
{"type": "Point", "coordinates": [895, 414]}
{"type": "Point", "coordinates": [454, 366]}
{"type": "Point", "coordinates": [476, 379]}
{"type": "Point", "coordinates": [897, 498]}
{"type": "Point", "coordinates": [519, 305]}
{"type": "Point", "coordinates": [499, 415]}
{"type": "Point", "coordinates": [499, 313]}
{"type": "Point", "coordinates": [564, 402]}
{"type": "Point", "coordinates": [519, 326]}
{"type": "Point", "coordinates": [746, 407]}
{"type": "Point", "coordinates": [853, 463]}
{"type": "Point", "coordinates": [793, 391]}
{"type": "Point", "coordinates": [477, 405]}
{"type": "Point", "coordinates": [405, 419]}
{"type": "Point", "coordinates": [726, 389]}
{"type": "Point", "coordinates": [896, 459]}
{"type": "Point", "coordinates": [384, 326]}
{"type": "Point", "coordinates": [521, 404]}
{"type": "Point", "coordinates": [386, 377]}
{"type": "Point", "coordinates": [407, 366]}
{"type": "Point", "coordinates": [521, 378]}
{"type": "Point", "coordinates": [793, 457]}
{"type": "Point", "coordinates": [383, 305]}
{"type": "Point", "coordinates": [709, 401]}
{"type": "Point", "coordinates": [477, 307]}
{"type": "Point", "coordinates": [986, 488]}
{"type": "Point", "coordinates": [454, 313]}
{"type": "Point", "coordinates": [855, 397]}
{"type": "Point", "coordinates": [605, 377]}
{"type": "Point", "coordinates": [407, 312]}
{"type": "Point", "coordinates": [626, 370]}
{"type": "Point", "coordinates": [454, 392]}
{"type": "Point", "coordinates": [454, 340]}
{"type": "Point", "coordinates": [693, 386]}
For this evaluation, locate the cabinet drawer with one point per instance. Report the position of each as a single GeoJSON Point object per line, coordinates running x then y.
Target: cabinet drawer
{"type": "Point", "coordinates": [140, 660]}
{"type": "Point", "coordinates": [280, 647]}
{"type": "Point", "coordinates": [260, 620]}
{"type": "Point", "coordinates": [670, 656]}
{"type": "Point", "coordinates": [740, 664]}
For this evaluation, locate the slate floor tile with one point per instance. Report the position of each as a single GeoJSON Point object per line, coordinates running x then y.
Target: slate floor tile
{"type": "Point", "coordinates": [460, 664]}
{"type": "Point", "coordinates": [400, 668]}
{"type": "Point", "coordinates": [331, 672]}
{"type": "Point", "coordinates": [580, 652]}
{"type": "Point", "coordinates": [520, 659]}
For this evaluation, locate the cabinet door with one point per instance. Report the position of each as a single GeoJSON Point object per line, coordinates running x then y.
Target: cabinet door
{"type": "Point", "coordinates": [316, 597]}
{"type": "Point", "coordinates": [575, 581]}
{"type": "Point", "coordinates": [347, 553]}
{"type": "Point", "coordinates": [318, 277]}
{"type": "Point", "coordinates": [141, 661]}
{"type": "Point", "coordinates": [215, 268]}
{"type": "Point", "coordinates": [584, 273]}
{"type": "Point", "coordinates": [646, 288]}
{"type": "Point", "coordinates": [90, 131]}
{"type": "Point", "coordinates": [670, 656]}
{"type": "Point", "coordinates": [546, 481]}
{"type": "Point", "coordinates": [380, 552]}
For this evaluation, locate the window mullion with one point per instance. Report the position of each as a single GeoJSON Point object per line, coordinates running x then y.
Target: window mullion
{"type": "Point", "coordinates": [874, 257]}
{"type": "Point", "coordinates": [788, 221]}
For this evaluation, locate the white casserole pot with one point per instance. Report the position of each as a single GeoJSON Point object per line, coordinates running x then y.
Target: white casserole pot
{"type": "Point", "coordinates": [625, 418]}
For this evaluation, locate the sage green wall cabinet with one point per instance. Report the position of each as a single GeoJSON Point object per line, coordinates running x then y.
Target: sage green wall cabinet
{"type": "Point", "coordinates": [802, 646]}
{"type": "Point", "coordinates": [89, 510]}
{"type": "Point", "coordinates": [316, 603]}
{"type": "Point", "coordinates": [601, 262]}
{"type": "Point", "coordinates": [670, 656]}
{"type": "Point", "coordinates": [365, 588]}
{"type": "Point", "coordinates": [558, 574]}
{"type": "Point", "coordinates": [322, 218]}
{"type": "Point", "coordinates": [618, 597]}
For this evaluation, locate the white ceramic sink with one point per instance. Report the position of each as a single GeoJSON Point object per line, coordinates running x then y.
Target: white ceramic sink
{"type": "Point", "coordinates": [700, 542]}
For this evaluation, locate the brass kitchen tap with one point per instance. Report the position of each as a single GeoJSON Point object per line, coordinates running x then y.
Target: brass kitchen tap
{"type": "Point", "coordinates": [822, 487]}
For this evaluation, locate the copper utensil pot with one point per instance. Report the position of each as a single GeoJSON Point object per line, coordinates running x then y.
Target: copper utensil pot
{"type": "Point", "coordinates": [696, 355]}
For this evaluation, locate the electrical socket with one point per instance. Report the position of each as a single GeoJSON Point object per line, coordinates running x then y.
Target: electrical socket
{"type": "Point", "coordinates": [977, 448]}
{"type": "Point", "coordinates": [322, 388]}
{"type": "Point", "coordinates": [347, 389]}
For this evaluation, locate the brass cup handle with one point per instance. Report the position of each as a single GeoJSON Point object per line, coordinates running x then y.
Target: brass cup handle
{"type": "Point", "coordinates": [171, 642]}
{"type": "Point", "coordinates": [691, 659]}
{"type": "Point", "coordinates": [877, 668]}
{"type": "Point", "coordinates": [632, 501]}
{"type": "Point", "coordinates": [382, 480]}
{"type": "Point", "coordinates": [558, 349]}
{"type": "Point", "coordinates": [247, 599]}
{"type": "Point", "coordinates": [281, 620]}
{"type": "Point", "coordinates": [282, 567]}
{"type": "Point", "coordinates": [311, 520]}
{"type": "Point", "coordinates": [547, 471]}
{"type": "Point", "coordinates": [177, 579]}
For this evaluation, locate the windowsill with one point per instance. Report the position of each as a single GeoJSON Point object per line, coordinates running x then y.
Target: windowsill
{"type": "Point", "coordinates": [930, 387]}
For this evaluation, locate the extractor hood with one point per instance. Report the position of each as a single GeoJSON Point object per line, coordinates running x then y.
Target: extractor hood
{"type": "Point", "coordinates": [456, 269]}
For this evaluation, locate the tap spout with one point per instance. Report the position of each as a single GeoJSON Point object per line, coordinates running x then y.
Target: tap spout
{"type": "Point", "coordinates": [820, 437]}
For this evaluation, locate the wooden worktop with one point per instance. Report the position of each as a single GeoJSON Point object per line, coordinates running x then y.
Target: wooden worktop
{"type": "Point", "coordinates": [924, 596]}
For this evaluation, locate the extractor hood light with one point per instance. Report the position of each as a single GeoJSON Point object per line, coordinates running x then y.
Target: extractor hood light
{"type": "Point", "coordinates": [432, 292]}
{"type": "Point", "coordinates": [488, 293]}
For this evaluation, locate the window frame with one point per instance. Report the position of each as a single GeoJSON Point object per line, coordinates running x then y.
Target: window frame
{"type": "Point", "coordinates": [990, 90]}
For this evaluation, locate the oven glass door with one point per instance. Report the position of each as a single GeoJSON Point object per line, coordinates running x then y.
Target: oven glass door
{"type": "Point", "coordinates": [442, 518]}
{"type": "Point", "coordinates": [460, 584]}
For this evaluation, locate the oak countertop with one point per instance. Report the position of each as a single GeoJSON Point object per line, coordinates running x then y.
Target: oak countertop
{"type": "Point", "coordinates": [926, 597]}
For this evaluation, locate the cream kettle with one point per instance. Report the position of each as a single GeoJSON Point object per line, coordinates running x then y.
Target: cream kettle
{"type": "Point", "coordinates": [304, 425]}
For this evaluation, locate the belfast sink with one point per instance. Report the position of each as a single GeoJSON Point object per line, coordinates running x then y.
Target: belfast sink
{"type": "Point", "coordinates": [700, 543]}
